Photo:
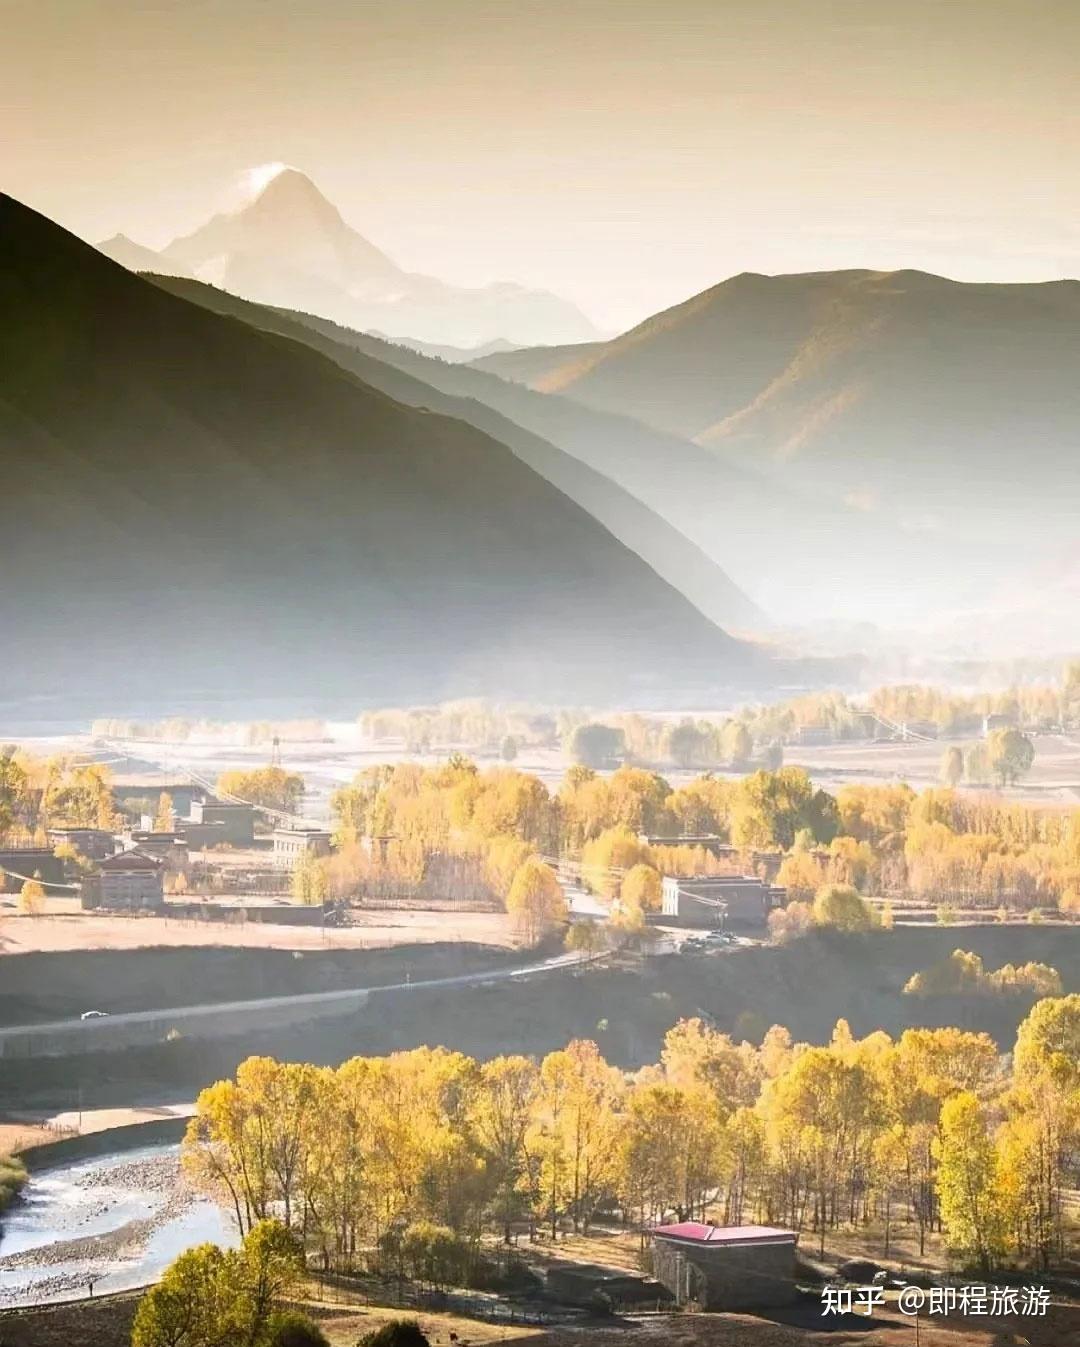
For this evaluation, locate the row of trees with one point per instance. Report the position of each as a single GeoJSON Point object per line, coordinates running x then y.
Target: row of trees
{"type": "Point", "coordinates": [939, 845]}
{"type": "Point", "coordinates": [180, 730]}
{"type": "Point", "coordinates": [964, 974]}
{"type": "Point", "coordinates": [934, 1130]}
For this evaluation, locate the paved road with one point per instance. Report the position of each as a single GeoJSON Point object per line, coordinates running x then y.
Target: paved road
{"type": "Point", "coordinates": [96, 1033]}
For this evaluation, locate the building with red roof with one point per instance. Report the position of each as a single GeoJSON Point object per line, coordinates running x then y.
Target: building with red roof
{"type": "Point", "coordinates": [726, 1267]}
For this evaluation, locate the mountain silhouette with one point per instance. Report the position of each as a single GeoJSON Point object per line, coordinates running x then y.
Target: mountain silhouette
{"type": "Point", "coordinates": [195, 504]}
{"type": "Point", "coordinates": [290, 246]}
{"type": "Point", "coordinates": [419, 380]}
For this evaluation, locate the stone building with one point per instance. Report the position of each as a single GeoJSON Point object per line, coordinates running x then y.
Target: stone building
{"type": "Point", "coordinates": [737, 1267]}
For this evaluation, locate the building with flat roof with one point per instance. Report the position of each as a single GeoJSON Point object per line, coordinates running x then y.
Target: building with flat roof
{"type": "Point", "coordinates": [299, 840]}
{"type": "Point", "coordinates": [719, 900]}
{"type": "Point", "coordinates": [735, 1267]}
{"type": "Point", "coordinates": [212, 822]}
{"type": "Point", "coordinates": [93, 843]}
{"type": "Point", "coordinates": [126, 882]}
{"type": "Point", "coordinates": [31, 863]}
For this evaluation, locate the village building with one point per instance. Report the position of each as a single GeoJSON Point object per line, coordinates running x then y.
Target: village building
{"type": "Point", "coordinates": [710, 842]}
{"type": "Point", "coordinates": [291, 844]}
{"type": "Point", "coordinates": [213, 822]}
{"type": "Point", "coordinates": [93, 843]}
{"type": "Point", "coordinates": [739, 1267]}
{"type": "Point", "coordinates": [30, 863]}
{"type": "Point", "coordinates": [729, 901]}
{"type": "Point", "coordinates": [127, 882]}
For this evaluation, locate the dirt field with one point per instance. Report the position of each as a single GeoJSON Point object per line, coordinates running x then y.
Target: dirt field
{"type": "Point", "coordinates": [371, 930]}
{"type": "Point", "coordinates": [1054, 780]}
{"type": "Point", "coordinates": [108, 1324]}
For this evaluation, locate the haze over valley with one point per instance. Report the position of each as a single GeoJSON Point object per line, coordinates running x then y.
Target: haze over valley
{"type": "Point", "coordinates": [539, 673]}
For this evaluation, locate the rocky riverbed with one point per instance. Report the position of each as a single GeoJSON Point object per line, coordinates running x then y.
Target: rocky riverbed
{"type": "Point", "coordinates": [114, 1222]}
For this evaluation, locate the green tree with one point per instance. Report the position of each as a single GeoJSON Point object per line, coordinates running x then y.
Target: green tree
{"type": "Point", "coordinates": [508, 749]}
{"type": "Point", "coordinates": [290, 1328]}
{"type": "Point", "coordinates": [13, 785]}
{"type": "Point", "coordinates": [977, 769]}
{"type": "Point", "coordinates": [736, 745]}
{"type": "Point", "coordinates": [1011, 755]}
{"type": "Point", "coordinates": [595, 745]}
{"type": "Point", "coordinates": [196, 1303]}
{"type": "Point", "coordinates": [396, 1333]}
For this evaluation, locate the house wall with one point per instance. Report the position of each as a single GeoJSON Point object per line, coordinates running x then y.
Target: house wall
{"type": "Point", "coordinates": [726, 1277]}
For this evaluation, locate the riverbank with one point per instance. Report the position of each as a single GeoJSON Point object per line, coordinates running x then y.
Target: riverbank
{"type": "Point", "coordinates": [111, 1222]}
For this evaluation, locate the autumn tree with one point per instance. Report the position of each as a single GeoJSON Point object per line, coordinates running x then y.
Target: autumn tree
{"type": "Point", "coordinates": [839, 906]}
{"type": "Point", "coordinates": [952, 766]}
{"type": "Point", "coordinates": [502, 1117]}
{"type": "Point", "coordinates": [266, 787]}
{"type": "Point", "coordinates": [165, 817]}
{"type": "Point", "coordinates": [32, 897]}
{"type": "Point", "coordinates": [971, 1205]}
{"type": "Point", "coordinates": [536, 900]}
{"type": "Point", "coordinates": [641, 888]}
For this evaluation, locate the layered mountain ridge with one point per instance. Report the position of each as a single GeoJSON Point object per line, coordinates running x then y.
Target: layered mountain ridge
{"type": "Point", "coordinates": [290, 246]}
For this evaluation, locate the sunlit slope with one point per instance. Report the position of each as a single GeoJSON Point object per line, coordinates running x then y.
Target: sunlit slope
{"type": "Point", "coordinates": [942, 403]}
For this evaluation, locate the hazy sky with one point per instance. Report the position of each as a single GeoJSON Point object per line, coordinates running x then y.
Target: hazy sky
{"type": "Point", "coordinates": [624, 153]}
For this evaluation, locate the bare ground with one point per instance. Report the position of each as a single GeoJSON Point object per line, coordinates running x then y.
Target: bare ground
{"type": "Point", "coordinates": [370, 930]}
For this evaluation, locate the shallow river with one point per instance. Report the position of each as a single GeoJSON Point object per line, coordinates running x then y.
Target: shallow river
{"type": "Point", "coordinates": [117, 1221]}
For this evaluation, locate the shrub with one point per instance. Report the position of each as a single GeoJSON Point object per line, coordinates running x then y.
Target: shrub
{"type": "Point", "coordinates": [12, 1178]}
{"type": "Point", "coordinates": [293, 1329]}
{"type": "Point", "coordinates": [396, 1333]}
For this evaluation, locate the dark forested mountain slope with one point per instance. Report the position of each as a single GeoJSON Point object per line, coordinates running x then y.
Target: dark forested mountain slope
{"type": "Point", "coordinates": [193, 503]}
{"type": "Point", "coordinates": [420, 381]}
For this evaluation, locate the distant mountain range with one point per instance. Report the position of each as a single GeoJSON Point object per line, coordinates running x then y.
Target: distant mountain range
{"type": "Point", "coordinates": [942, 406]}
{"type": "Point", "coordinates": [290, 246]}
{"type": "Point", "coordinates": [195, 503]}
{"type": "Point", "coordinates": [429, 382]}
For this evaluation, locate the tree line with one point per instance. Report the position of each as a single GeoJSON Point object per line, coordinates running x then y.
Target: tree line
{"type": "Point", "coordinates": [934, 1130]}
{"type": "Point", "coordinates": [456, 829]}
